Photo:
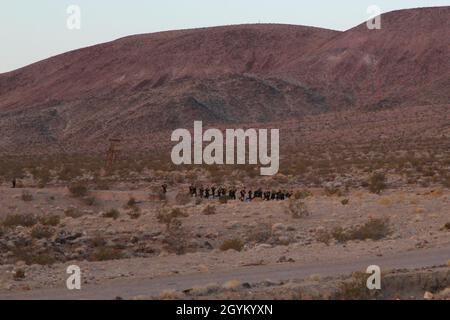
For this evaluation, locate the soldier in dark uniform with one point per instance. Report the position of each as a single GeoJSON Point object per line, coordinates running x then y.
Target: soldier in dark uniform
{"type": "Point", "coordinates": [242, 197]}
{"type": "Point", "coordinates": [259, 193]}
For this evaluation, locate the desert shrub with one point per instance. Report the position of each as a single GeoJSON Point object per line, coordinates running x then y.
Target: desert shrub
{"type": "Point", "coordinates": [446, 226]}
{"type": "Point", "coordinates": [31, 257]}
{"type": "Point", "coordinates": [50, 220]}
{"type": "Point", "coordinates": [428, 173]}
{"type": "Point", "coordinates": [232, 244]}
{"type": "Point", "coordinates": [113, 214]}
{"type": "Point", "coordinates": [41, 232]}
{"type": "Point", "coordinates": [24, 220]}
{"type": "Point", "coordinates": [42, 259]}
{"type": "Point", "coordinates": [425, 183]}
{"type": "Point", "coordinates": [232, 285]}
{"type": "Point", "coordinates": [345, 202]}
{"type": "Point", "coordinates": [355, 288]}
{"type": "Point", "coordinates": [302, 194]}
{"type": "Point", "coordinates": [324, 237]}
{"type": "Point", "coordinates": [183, 199]}
{"type": "Point", "coordinates": [104, 253]}
{"type": "Point", "coordinates": [177, 212]}
{"type": "Point", "coordinates": [89, 201]}
{"type": "Point", "coordinates": [68, 173]}
{"type": "Point", "coordinates": [332, 190]}
{"type": "Point", "coordinates": [43, 177]}
{"type": "Point", "coordinates": [223, 199]}
{"type": "Point", "coordinates": [131, 202]}
{"type": "Point", "coordinates": [259, 234]}
{"type": "Point", "coordinates": [26, 196]}
{"type": "Point", "coordinates": [164, 217]}
{"type": "Point", "coordinates": [175, 239]}
{"type": "Point", "coordinates": [209, 210]}
{"type": "Point", "coordinates": [19, 274]}
{"type": "Point", "coordinates": [78, 189]}
{"type": "Point", "coordinates": [340, 234]}
{"type": "Point", "coordinates": [374, 229]}
{"type": "Point", "coordinates": [98, 241]}
{"type": "Point", "coordinates": [377, 183]}
{"type": "Point", "coordinates": [178, 178]}
{"type": "Point", "coordinates": [73, 213]}
{"type": "Point", "coordinates": [134, 212]}
{"type": "Point", "coordinates": [298, 209]}
{"type": "Point", "coordinates": [170, 294]}
{"type": "Point", "coordinates": [167, 215]}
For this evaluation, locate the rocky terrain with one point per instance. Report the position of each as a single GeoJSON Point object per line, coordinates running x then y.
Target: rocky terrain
{"type": "Point", "coordinates": [398, 284]}
{"type": "Point", "coordinates": [140, 86]}
{"type": "Point", "coordinates": [364, 145]}
{"type": "Point", "coordinates": [117, 234]}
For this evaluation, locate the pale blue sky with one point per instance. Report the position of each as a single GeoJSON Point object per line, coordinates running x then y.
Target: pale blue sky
{"type": "Point", "coordinates": [32, 30]}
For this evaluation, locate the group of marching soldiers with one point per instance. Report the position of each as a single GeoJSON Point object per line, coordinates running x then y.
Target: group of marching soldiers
{"type": "Point", "coordinates": [233, 194]}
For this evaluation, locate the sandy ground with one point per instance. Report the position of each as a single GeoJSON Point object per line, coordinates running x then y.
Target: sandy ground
{"type": "Point", "coordinates": [416, 216]}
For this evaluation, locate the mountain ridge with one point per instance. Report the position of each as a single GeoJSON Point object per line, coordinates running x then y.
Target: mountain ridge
{"type": "Point", "coordinates": [255, 73]}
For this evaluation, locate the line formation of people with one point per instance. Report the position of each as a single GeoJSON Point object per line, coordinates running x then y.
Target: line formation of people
{"type": "Point", "coordinates": [233, 193]}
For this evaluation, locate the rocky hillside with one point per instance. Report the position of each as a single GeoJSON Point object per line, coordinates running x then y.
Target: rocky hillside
{"type": "Point", "coordinates": [150, 83]}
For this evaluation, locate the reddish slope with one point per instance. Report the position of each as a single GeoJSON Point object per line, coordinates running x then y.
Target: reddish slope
{"type": "Point", "coordinates": [407, 62]}
{"type": "Point", "coordinates": [153, 60]}
{"type": "Point", "coordinates": [148, 83]}
{"type": "Point", "coordinates": [247, 73]}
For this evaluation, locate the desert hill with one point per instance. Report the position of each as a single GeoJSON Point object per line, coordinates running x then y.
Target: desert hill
{"type": "Point", "coordinates": [151, 83]}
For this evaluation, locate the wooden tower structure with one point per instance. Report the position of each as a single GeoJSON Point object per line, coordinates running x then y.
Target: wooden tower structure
{"type": "Point", "coordinates": [112, 153]}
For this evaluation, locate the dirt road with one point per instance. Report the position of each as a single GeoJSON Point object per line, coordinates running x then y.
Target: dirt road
{"type": "Point", "coordinates": [148, 286]}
